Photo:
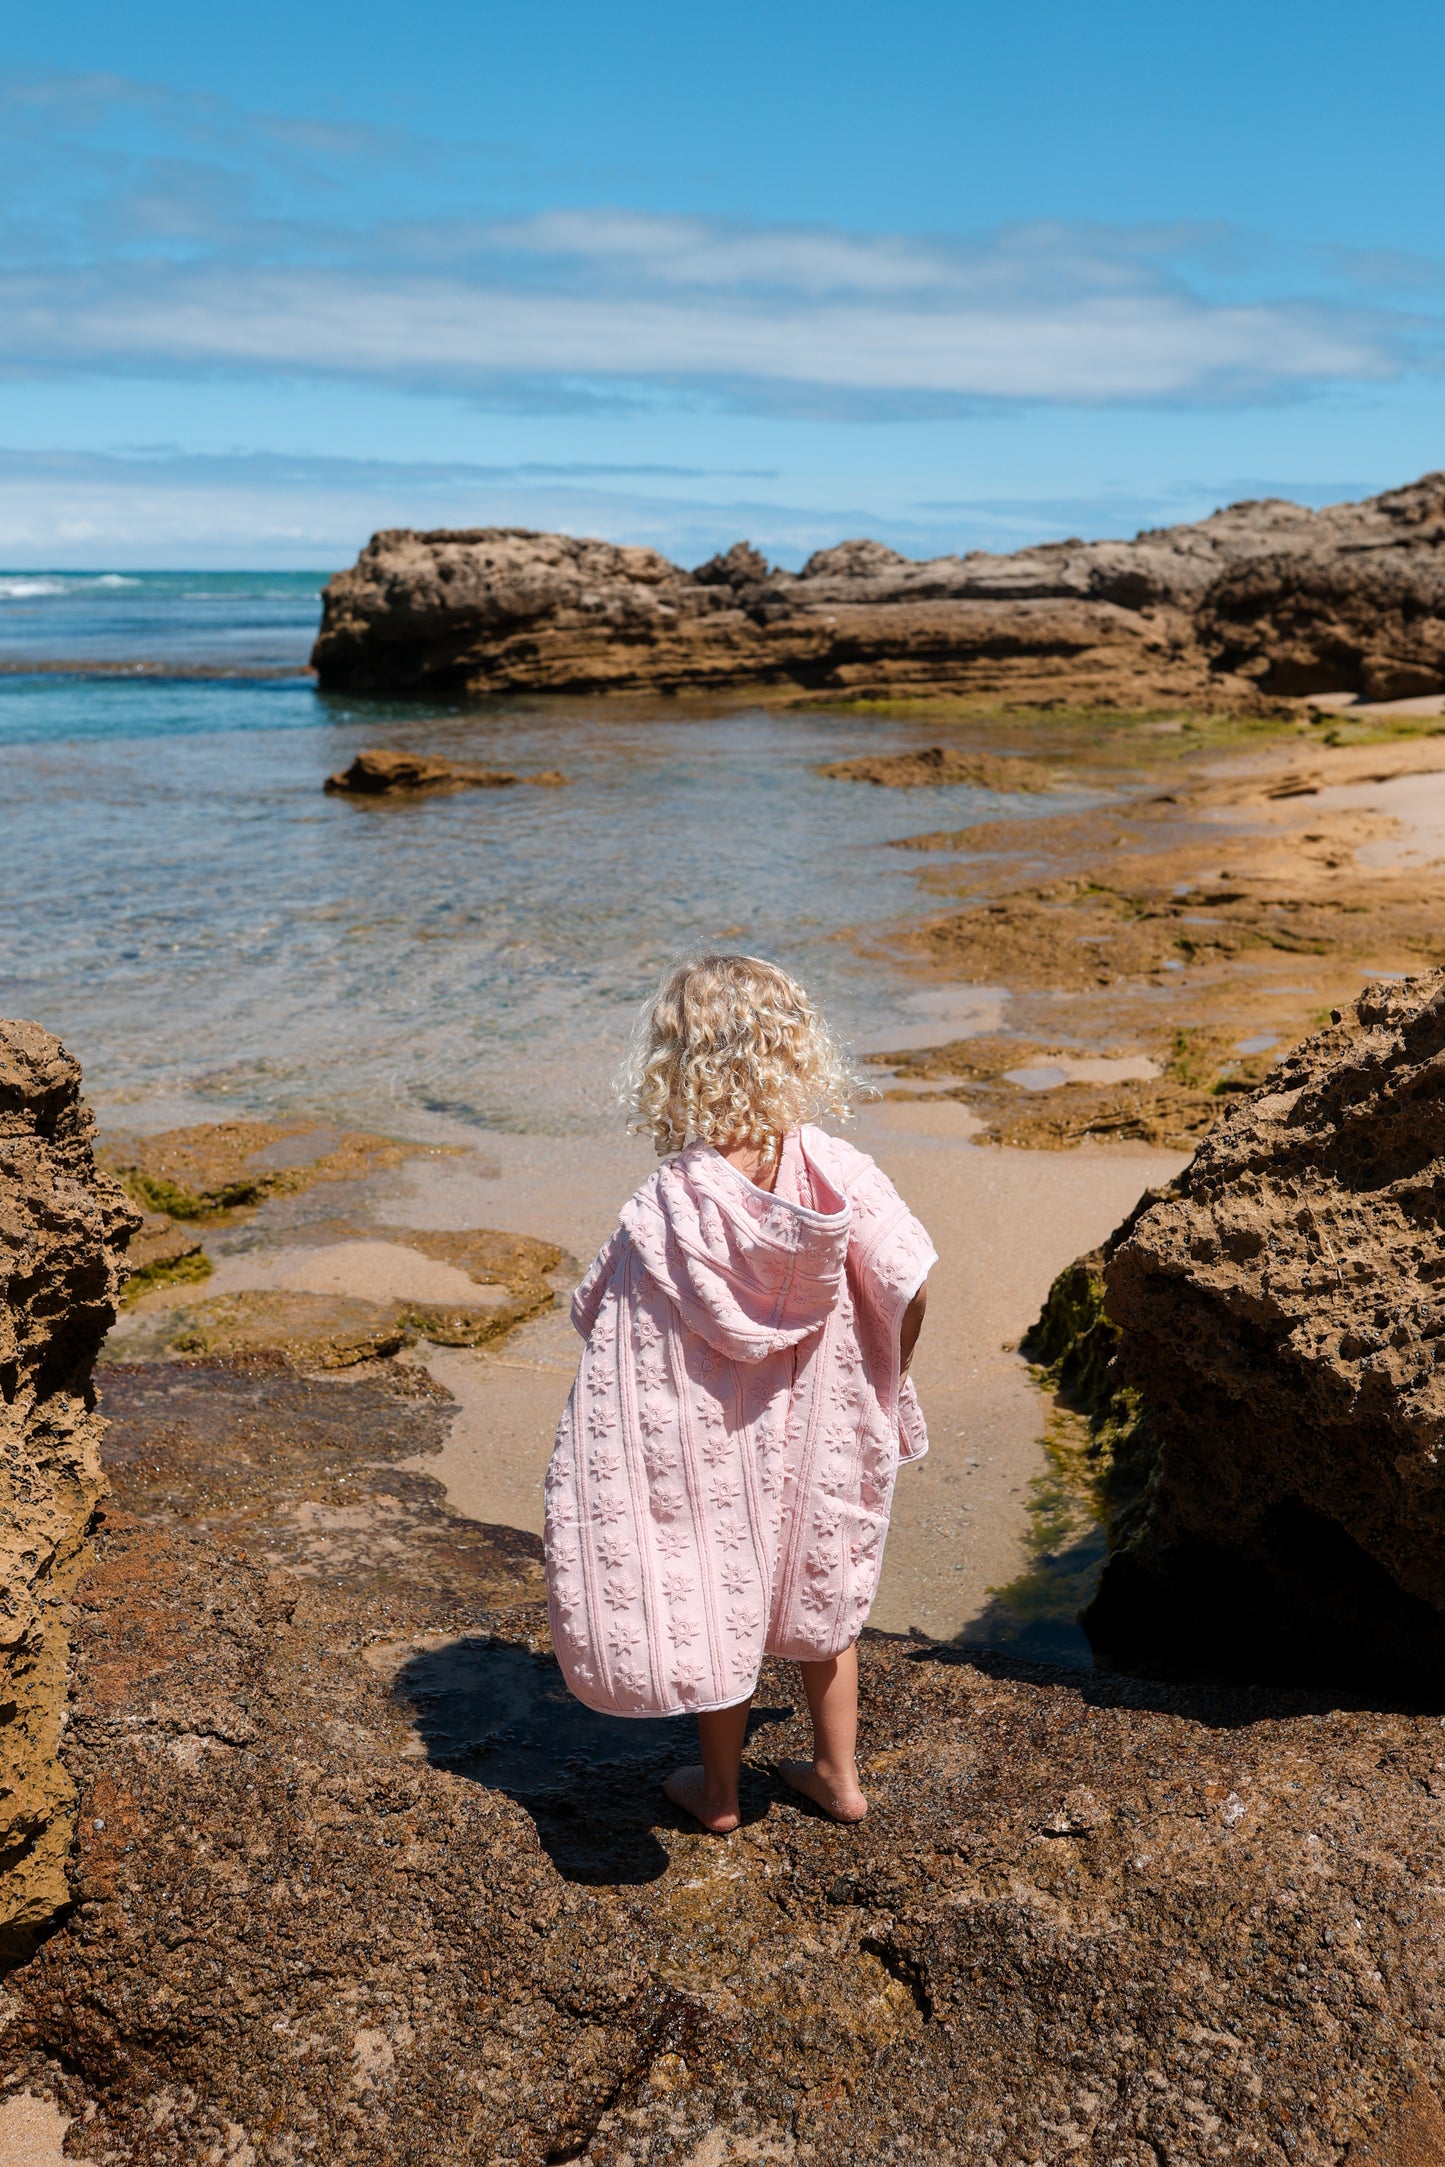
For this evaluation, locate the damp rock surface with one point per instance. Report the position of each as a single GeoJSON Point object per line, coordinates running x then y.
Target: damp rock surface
{"type": "Point", "coordinates": [1282, 1318]}
{"type": "Point", "coordinates": [1260, 600]}
{"type": "Point", "coordinates": [63, 1229]}
{"type": "Point", "coordinates": [939, 765]}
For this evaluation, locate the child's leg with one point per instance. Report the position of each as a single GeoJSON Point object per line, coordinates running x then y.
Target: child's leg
{"type": "Point", "coordinates": [710, 1793]}
{"type": "Point", "coordinates": [830, 1779]}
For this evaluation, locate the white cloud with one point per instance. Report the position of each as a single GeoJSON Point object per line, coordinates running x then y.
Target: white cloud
{"type": "Point", "coordinates": [94, 511]}
{"type": "Point", "coordinates": [454, 333]}
{"type": "Point", "coordinates": [99, 511]}
{"type": "Point", "coordinates": [151, 236]}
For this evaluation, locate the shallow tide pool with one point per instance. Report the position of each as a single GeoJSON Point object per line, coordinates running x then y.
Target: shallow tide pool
{"type": "Point", "coordinates": [212, 934]}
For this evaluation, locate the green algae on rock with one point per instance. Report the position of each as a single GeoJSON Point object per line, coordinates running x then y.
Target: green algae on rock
{"type": "Point", "coordinates": [162, 1254]}
{"type": "Point", "coordinates": [217, 1169]}
{"type": "Point", "coordinates": [339, 1324]}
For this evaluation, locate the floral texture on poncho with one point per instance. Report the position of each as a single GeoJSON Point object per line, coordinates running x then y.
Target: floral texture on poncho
{"type": "Point", "coordinates": [722, 1475]}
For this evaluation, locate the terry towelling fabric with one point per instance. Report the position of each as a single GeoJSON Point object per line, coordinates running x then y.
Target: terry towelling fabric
{"type": "Point", "coordinates": [722, 1475]}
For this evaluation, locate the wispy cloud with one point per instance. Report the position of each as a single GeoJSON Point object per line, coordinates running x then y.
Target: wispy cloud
{"type": "Point", "coordinates": [161, 505]}
{"type": "Point", "coordinates": [103, 511]}
{"type": "Point", "coordinates": [150, 235]}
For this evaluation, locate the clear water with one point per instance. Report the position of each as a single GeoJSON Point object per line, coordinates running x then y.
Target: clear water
{"type": "Point", "coordinates": [211, 934]}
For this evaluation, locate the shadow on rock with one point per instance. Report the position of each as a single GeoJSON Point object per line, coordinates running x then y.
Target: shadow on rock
{"type": "Point", "coordinates": [503, 1717]}
{"type": "Point", "coordinates": [1219, 1701]}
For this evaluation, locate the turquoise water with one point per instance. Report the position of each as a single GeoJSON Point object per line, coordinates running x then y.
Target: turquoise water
{"type": "Point", "coordinates": [211, 934]}
{"type": "Point", "coordinates": [233, 621]}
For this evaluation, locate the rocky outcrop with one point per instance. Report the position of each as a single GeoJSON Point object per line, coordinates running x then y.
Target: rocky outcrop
{"type": "Point", "coordinates": [1357, 605]}
{"type": "Point", "coordinates": [63, 1227]}
{"type": "Point", "coordinates": [357, 1881]}
{"type": "Point", "coordinates": [1260, 600]}
{"type": "Point", "coordinates": [408, 774]}
{"type": "Point", "coordinates": [1281, 1320]}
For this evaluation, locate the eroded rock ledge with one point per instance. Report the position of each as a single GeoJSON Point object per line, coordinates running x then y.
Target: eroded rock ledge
{"type": "Point", "coordinates": [62, 1229]}
{"type": "Point", "coordinates": [1262, 600]}
{"type": "Point", "coordinates": [1275, 1389]}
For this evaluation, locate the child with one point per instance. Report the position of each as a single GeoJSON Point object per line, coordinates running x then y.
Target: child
{"type": "Point", "coordinates": [720, 1484]}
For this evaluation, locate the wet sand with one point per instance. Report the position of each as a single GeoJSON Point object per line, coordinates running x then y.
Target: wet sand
{"type": "Point", "coordinates": [1004, 1223]}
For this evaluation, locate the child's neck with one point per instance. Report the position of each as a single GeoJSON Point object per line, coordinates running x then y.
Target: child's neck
{"type": "Point", "coordinates": [758, 1162]}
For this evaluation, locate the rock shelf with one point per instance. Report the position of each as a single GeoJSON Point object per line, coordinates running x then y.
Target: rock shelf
{"type": "Point", "coordinates": [1260, 602]}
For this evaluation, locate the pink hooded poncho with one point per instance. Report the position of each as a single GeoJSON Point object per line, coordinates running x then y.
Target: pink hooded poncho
{"type": "Point", "coordinates": [722, 1475]}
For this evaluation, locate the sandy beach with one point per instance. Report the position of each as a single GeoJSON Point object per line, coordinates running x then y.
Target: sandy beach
{"type": "Point", "coordinates": [32, 2132]}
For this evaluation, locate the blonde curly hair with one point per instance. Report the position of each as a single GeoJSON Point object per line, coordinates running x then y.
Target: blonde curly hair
{"type": "Point", "coordinates": [730, 1050]}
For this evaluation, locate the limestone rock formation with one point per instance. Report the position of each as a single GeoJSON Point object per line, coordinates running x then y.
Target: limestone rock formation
{"type": "Point", "coordinates": [63, 1227]}
{"type": "Point", "coordinates": [1281, 1313]}
{"type": "Point", "coordinates": [1260, 600]}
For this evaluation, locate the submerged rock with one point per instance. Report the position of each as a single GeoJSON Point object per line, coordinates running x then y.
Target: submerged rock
{"type": "Point", "coordinates": [320, 1304]}
{"type": "Point", "coordinates": [1281, 1319]}
{"type": "Point", "coordinates": [223, 1170]}
{"type": "Point", "coordinates": [382, 773]}
{"type": "Point", "coordinates": [1258, 601]}
{"type": "Point", "coordinates": [63, 1228]}
{"type": "Point", "coordinates": [940, 764]}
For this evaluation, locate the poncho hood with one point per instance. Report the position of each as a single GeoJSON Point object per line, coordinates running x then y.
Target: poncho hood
{"type": "Point", "coordinates": [747, 1272]}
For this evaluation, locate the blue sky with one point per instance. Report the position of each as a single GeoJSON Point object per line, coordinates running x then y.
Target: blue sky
{"type": "Point", "coordinates": [956, 276]}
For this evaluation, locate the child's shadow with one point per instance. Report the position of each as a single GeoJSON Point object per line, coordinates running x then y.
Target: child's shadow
{"type": "Point", "coordinates": [491, 1711]}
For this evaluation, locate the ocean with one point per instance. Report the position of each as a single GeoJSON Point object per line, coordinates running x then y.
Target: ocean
{"type": "Point", "coordinates": [212, 935]}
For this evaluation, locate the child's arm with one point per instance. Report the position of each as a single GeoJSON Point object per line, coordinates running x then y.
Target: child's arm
{"type": "Point", "coordinates": [910, 1328]}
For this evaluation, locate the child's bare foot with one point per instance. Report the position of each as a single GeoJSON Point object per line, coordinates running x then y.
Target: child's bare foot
{"type": "Point", "coordinates": [838, 1795]}
{"type": "Point", "coordinates": [688, 1788]}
